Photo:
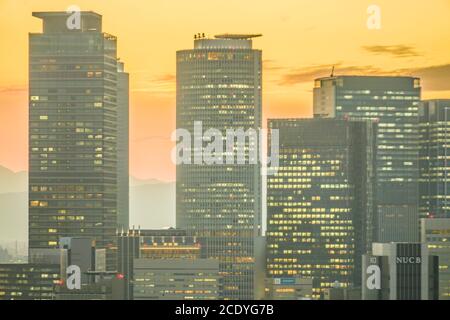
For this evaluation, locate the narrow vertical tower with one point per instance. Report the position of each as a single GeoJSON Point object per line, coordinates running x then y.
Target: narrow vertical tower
{"type": "Point", "coordinates": [219, 86]}
{"type": "Point", "coordinates": [73, 132]}
{"type": "Point", "coordinates": [123, 171]}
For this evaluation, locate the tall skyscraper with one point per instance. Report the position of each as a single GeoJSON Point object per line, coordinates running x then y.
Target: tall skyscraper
{"type": "Point", "coordinates": [393, 103]}
{"type": "Point", "coordinates": [319, 217]}
{"type": "Point", "coordinates": [73, 132]}
{"type": "Point", "coordinates": [123, 171]}
{"type": "Point", "coordinates": [434, 118]}
{"type": "Point", "coordinates": [219, 86]}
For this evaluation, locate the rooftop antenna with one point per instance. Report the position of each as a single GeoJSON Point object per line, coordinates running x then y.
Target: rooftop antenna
{"type": "Point", "coordinates": [332, 72]}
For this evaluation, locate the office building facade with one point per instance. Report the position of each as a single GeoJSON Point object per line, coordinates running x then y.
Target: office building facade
{"type": "Point", "coordinates": [318, 203]}
{"type": "Point", "coordinates": [28, 281]}
{"type": "Point", "coordinates": [219, 86]}
{"type": "Point", "coordinates": [176, 279]}
{"type": "Point", "coordinates": [393, 103]}
{"type": "Point", "coordinates": [73, 132]}
{"type": "Point", "coordinates": [434, 126]}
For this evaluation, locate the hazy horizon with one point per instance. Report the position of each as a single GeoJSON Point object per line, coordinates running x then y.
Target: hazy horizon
{"type": "Point", "coordinates": [301, 41]}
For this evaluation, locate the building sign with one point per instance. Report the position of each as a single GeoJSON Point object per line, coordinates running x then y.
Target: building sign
{"type": "Point", "coordinates": [408, 260]}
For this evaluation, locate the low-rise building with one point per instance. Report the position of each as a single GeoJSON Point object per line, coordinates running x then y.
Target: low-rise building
{"type": "Point", "coordinates": [176, 279]}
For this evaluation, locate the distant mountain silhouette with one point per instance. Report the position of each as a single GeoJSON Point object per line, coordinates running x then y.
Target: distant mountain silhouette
{"type": "Point", "coordinates": [13, 181]}
{"type": "Point", "coordinates": [152, 204]}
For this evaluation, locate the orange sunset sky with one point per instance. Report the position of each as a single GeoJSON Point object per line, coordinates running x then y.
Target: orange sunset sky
{"type": "Point", "coordinates": [302, 40]}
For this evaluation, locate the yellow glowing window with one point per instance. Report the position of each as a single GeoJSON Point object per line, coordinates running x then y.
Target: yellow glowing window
{"type": "Point", "coordinates": [43, 118]}
{"type": "Point", "coordinates": [34, 98]}
{"type": "Point", "coordinates": [34, 203]}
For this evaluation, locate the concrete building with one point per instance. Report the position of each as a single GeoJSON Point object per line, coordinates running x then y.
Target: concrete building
{"type": "Point", "coordinates": [176, 279]}
{"type": "Point", "coordinates": [319, 213]}
{"type": "Point", "coordinates": [435, 234]}
{"type": "Point", "coordinates": [400, 271]}
{"type": "Point", "coordinates": [73, 132]}
{"type": "Point", "coordinates": [393, 103]}
{"type": "Point", "coordinates": [219, 86]}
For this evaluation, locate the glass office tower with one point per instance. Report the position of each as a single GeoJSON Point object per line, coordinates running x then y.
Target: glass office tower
{"type": "Point", "coordinates": [434, 117]}
{"type": "Point", "coordinates": [219, 86]}
{"type": "Point", "coordinates": [393, 103]}
{"type": "Point", "coordinates": [319, 217]}
{"type": "Point", "coordinates": [73, 132]}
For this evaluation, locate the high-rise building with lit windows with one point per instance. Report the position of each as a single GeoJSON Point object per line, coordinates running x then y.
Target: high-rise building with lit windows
{"type": "Point", "coordinates": [219, 86]}
{"type": "Point", "coordinates": [434, 118]}
{"type": "Point", "coordinates": [319, 217]}
{"type": "Point", "coordinates": [73, 132]}
{"type": "Point", "coordinates": [393, 102]}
